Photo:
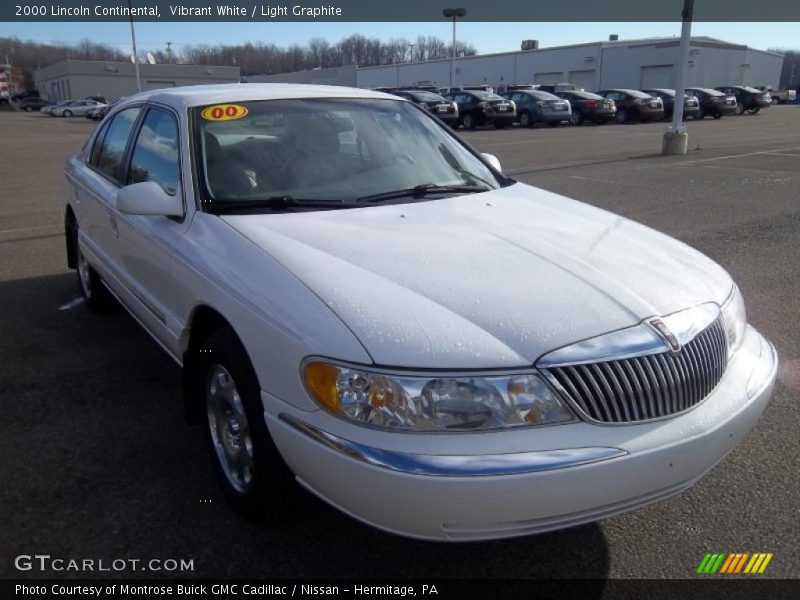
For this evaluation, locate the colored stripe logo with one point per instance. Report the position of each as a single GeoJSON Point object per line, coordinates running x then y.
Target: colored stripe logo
{"type": "Point", "coordinates": [734, 563]}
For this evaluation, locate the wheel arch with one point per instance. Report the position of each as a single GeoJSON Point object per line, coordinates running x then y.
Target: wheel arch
{"type": "Point", "coordinates": [203, 320]}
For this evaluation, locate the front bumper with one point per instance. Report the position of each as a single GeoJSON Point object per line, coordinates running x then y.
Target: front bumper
{"type": "Point", "coordinates": [518, 482]}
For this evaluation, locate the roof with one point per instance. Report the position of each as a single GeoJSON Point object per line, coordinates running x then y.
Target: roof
{"type": "Point", "coordinates": [198, 95]}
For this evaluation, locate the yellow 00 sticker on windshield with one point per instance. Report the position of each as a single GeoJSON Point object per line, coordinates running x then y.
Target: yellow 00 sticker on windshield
{"type": "Point", "coordinates": [224, 112]}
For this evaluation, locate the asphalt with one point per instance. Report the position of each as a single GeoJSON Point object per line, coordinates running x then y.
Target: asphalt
{"type": "Point", "coordinates": [96, 461]}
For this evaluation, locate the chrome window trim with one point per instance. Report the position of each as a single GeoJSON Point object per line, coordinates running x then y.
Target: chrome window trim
{"type": "Point", "coordinates": [478, 465]}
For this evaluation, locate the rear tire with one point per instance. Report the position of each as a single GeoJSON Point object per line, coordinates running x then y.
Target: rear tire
{"type": "Point", "coordinates": [775, 101]}
{"type": "Point", "coordinates": [718, 115]}
{"type": "Point", "coordinates": [754, 111]}
{"type": "Point", "coordinates": [576, 118]}
{"type": "Point", "coordinates": [740, 109]}
{"type": "Point", "coordinates": [525, 119]}
{"type": "Point", "coordinates": [701, 114]}
{"type": "Point", "coordinates": [622, 115]}
{"type": "Point", "coordinates": [468, 122]}
{"type": "Point", "coordinates": [253, 476]}
{"type": "Point", "coordinates": [67, 114]}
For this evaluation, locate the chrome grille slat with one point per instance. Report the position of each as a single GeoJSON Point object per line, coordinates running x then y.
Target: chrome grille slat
{"type": "Point", "coordinates": [649, 386]}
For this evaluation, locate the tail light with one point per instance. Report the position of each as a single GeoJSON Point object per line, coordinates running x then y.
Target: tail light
{"type": "Point", "coordinates": [424, 105]}
{"type": "Point", "coordinates": [714, 98]}
{"type": "Point", "coordinates": [483, 104]}
{"type": "Point", "coordinates": [540, 103]}
{"type": "Point", "coordinates": [640, 101]}
{"type": "Point", "coordinates": [591, 104]}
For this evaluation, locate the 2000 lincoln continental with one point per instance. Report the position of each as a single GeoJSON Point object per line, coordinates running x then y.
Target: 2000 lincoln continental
{"type": "Point", "coordinates": [433, 348]}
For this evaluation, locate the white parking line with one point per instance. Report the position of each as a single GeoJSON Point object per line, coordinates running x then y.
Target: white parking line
{"type": "Point", "coordinates": [71, 304]}
{"type": "Point", "coordinates": [776, 151]}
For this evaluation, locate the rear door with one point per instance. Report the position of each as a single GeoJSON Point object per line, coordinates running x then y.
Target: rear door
{"type": "Point", "coordinates": [95, 185]}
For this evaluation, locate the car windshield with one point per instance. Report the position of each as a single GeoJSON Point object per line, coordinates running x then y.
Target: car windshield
{"type": "Point", "coordinates": [334, 150]}
{"type": "Point", "coordinates": [711, 92]}
{"type": "Point", "coordinates": [752, 90]}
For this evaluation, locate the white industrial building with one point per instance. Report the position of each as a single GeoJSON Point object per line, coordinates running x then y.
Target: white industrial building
{"type": "Point", "coordinates": [82, 78]}
{"type": "Point", "coordinates": [598, 65]}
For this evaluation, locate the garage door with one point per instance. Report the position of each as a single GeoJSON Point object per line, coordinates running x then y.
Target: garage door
{"type": "Point", "coordinates": [583, 79]}
{"type": "Point", "coordinates": [544, 78]}
{"type": "Point", "coordinates": [658, 76]}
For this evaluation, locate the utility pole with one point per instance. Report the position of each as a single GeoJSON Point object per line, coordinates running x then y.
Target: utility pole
{"type": "Point", "coordinates": [135, 55]}
{"type": "Point", "coordinates": [453, 13]}
{"type": "Point", "coordinates": [411, 46]}
{"type": "Point", "coordinates": [676, 138]}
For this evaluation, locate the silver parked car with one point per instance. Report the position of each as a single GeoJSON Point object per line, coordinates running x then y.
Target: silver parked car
{"type": "Point", "coordinates": [77, 108]}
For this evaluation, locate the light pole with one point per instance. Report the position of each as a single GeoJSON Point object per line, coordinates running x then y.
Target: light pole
{"type": "Point", "coordinates": [676, 139]}
{"type": "Point", "coordinates": [135, 55]}
{"type": "Point", "coordinates": [453, 13]}
{"type": "Point", "coordinates": [411, 46]}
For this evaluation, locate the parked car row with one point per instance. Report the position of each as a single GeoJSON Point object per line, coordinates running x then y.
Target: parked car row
{"type": "Point", "coordinates": [471, 106]}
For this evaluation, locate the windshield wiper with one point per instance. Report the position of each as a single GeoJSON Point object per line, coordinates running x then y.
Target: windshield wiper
{"type": "Point", "coordinates": [423, 190]}
{"type": "Point", "coordinates": [278, 204]}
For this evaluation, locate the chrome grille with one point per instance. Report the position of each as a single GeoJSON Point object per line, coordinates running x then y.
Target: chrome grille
{"type": "Point", "coordinates": [650, 386]}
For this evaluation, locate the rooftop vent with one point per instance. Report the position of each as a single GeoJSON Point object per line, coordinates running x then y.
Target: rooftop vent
{"type": "Point", "coordinates": [530, 44]}
{"type": "Point", "coordinates": [613, 37]}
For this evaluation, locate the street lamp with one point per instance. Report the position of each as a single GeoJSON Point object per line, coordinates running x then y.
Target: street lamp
{"type": "Point", "coordinates": [453, 13]}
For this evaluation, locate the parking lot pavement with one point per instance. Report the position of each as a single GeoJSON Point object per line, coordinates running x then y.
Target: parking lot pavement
{"type": "Point", "coordinates": [97, 463]}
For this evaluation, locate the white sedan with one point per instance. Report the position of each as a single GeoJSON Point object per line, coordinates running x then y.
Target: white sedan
{"type": "Point", "coordinates": [363, 303]}
{"type": "Point", "coordinates": [75, 108]}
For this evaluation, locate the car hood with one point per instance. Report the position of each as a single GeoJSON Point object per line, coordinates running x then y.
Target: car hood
{"type": "Point", "coordinates": [489, 280]}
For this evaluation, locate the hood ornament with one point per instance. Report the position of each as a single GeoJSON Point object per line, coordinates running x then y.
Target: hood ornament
{"type": "Point", "coordinates": [666, 334]}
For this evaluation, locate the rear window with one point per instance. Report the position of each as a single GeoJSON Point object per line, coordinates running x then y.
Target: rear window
{"type": "Point", "coordinates": [636, 94]}
{"type": "Point", "coordinates": [752, 90]}
{"type": "Point", "coordinates": [486, 95]}
{"type": "Point", "coordinates": [585, 95]}
{"type": "Point", "coordinates": [427, 96]}
{"type": "Point", "coordinates": [543, 95]}
{"type": "Point", "coordinates": [109, 155]}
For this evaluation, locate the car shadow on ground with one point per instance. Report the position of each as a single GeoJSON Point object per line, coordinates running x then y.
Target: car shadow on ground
{"type": "Point", "coordinates": [100, 463]}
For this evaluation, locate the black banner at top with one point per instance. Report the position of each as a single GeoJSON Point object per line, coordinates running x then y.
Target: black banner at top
{"type": "Point", "coordinates": [394, 10]}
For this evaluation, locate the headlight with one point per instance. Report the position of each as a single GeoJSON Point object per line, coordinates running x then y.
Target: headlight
{"type": "Point", "coordinates": [434, 403]}
{"type": "Point", "coordinates": [735, 319]}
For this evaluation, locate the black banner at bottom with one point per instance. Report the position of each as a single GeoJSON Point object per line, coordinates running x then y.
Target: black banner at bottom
{"type": "Point", "coordinates": [707, 588]}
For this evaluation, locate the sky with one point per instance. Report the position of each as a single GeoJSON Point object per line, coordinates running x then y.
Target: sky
{"type": "Point", "coordinates": [486, 37]}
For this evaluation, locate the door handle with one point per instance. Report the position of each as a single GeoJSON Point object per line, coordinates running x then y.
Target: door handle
{"type": "Point", "coordinates": [112, 221]}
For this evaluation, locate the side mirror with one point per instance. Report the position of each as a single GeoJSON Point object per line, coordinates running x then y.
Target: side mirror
{"type": "Point", "coordinates": [149, 198]}
{"type": "Point", "coordinates": [492, 160]}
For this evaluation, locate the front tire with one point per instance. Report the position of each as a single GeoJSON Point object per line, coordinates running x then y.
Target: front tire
{"type": "Point", "coordinates": [753, 111]}
{"type": "Point", "coordinates": [740, 109]}
{"type": "Point", "coordinates": [468, 122]}
{"type": "Point", "coordinates": [525, 119]}
{"type": "Point", "coordinates": [67, 114]}
{"type": "Point", "coordinates": [622, 115]}
{"type": "Point", "coordinates": [576, 118]}
{"type": "Point", "coordinates": [253, 476]}
{"type": "Point", "coordinates": [775, 101]}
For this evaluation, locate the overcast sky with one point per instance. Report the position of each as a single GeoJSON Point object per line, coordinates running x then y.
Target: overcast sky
{"type": "Point", "coordinates": [486, 37]}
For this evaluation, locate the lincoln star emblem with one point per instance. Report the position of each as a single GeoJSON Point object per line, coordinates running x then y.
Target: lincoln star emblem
{"type": "Point", "coordinates": [668, 336]}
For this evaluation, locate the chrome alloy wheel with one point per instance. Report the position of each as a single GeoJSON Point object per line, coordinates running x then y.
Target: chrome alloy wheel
{"type": "Point", "coordinates": [85, 273]}
{"type": "Point", "coordinates": [230, 432]}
